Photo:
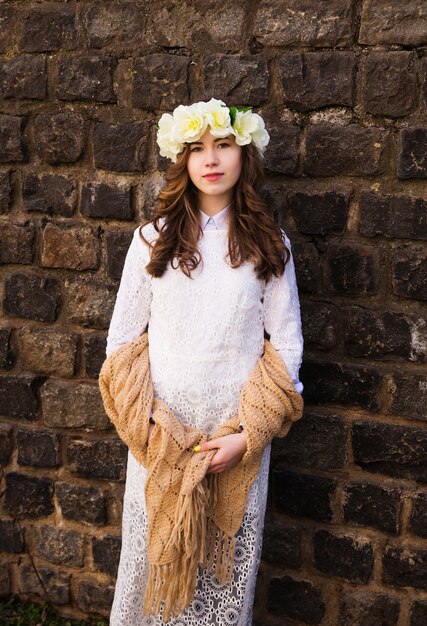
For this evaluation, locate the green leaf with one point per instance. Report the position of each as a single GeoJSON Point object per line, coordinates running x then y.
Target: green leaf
{"type": "Point", "coordinates": [233, 111]}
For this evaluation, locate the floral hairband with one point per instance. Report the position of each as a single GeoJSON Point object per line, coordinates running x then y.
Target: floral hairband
{"type": "Point", "coordinates": [189, 123]}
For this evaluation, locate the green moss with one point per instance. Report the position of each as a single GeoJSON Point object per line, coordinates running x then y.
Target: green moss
{"type": "Point", "coordinates": [14, 612]}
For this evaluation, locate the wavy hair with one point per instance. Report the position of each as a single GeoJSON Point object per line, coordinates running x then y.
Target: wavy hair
{"type": "Point", "coordinates": [254, 235]}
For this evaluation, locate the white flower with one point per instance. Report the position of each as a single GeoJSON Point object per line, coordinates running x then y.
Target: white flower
{"type": "Point", "coordinates": [244, 126]}
{"type": "Point", "coordinates": [190, 123]}
{"type": "Point", "coordinates": [260, 136]}
{"type": "Point", "coordinates": [168, 147]}
{"type": "Point", "coordinates": [218, 117]}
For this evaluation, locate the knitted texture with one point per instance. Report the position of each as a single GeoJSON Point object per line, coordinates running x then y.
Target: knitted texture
{"type": "Point", "coordinates": [192, 517]}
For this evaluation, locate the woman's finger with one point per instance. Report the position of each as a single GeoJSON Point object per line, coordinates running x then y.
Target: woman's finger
{"type": "Point", "coordinates": [209, 445]}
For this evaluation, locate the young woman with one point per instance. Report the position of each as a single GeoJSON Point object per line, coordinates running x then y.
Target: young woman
{"type": "Point", "coordinates": [208, 274]}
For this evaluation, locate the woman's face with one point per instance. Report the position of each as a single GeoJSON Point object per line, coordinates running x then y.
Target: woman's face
{"type": "Point", "coordinates": [211, 155]}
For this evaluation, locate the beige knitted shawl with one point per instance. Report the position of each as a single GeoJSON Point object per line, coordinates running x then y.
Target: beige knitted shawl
{"type": "Point", "coordinates": [192, 518]}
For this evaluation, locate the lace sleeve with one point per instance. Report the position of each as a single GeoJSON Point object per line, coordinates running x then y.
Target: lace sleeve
{"type": "Point", "coordinates": [132, 308]}
{"type": "Point", "coordinates": [282, 318]}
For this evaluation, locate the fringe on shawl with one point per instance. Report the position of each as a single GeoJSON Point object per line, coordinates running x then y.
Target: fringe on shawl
{"type": "Point", "coordinates": [198, 541]}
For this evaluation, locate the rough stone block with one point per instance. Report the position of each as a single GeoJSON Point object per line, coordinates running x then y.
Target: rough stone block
{"type": "Point", "coordinates": [273, 193]}
{"type": "Point", "coordinates": [18, 396]}
{"type": "Point", "coordinates": [424, 71]}
{"type": "Point", "coordinates": [80, 503]}
{"type": "Point", "coordinates": [59, 137]}
{"type": "Point", "coordinates": [121, 147]}
{"type": "Point", "coordinates": [379, 334]}
{"type": "Point", "coordinates": [343, 556]}
{"type": "Point", "coordinates": [418, 519]}
{"type": "Point", "coordinates": [352, 270]}
{"type": "Point", "coordinates": [72, 247]}
{"type": "Point", "coordinates": [312, 80]}
{"type": "Point", "coordinates": [193, 26]}
{"type": "Point", "coordinates": [90, 303]}
{"type": "Point", "coordinates": [49, 27]}
{"type": "Point", "coordinates": [107, 202]}
{"type": "Point", "coordinates": [400, 217]}
{"type": "Point", "coordinates": [5, 582]}
{"type": "Point", "coordinates": [28, 496]}
{"type": "Point", "coordinates": [57, 545]}
{"type": "Point", "coordinates": [106, 553]}
{"type": "Point", "coordinates": [336, 383]}
{"type": "Point", "coordinates": [392, 450]}
{"type": "Point", "coordinates": [307, 266]}
{"type": "Point", "coordinates": [16, 243]}
{"type": "Point", "coordinates": [320, 213]}
{"type": "Point", "coordinates": [94, 350]}
{"type": "Point", "coordinates": [93, 596]}
{"type": "Point", "coordinates": [374, 506]}
{"type": "Point", "coordinates": [418, 613]}
{"type": "Point", "coordinates": [105, 459]}
{"type": "Point", "coordinates": [319, 324]}
{"type": "Point", "coordinates": [118, 243]}
{"type": "Point", "coordinates": [87, 78]}
{"type": "Point", "coordinates": [7, 355]}
{"type": "Point", "coordinates": [46, 351]}
{"type": "Point", "coordinates": [351, 150]}
{"type": "Point", "coordinates": [409, 396]}
{"type": "Point", "coordinates": [160, 82]}
{"type": "Point", "coordinates": [302, 495]}
{"type": "Point", "coordinates": [11, 537]}
{"type": "Point", "coordinates": [36, 297]}
{"type": "Point", "coordinates": [51, 194]}
{"type": "Point", "coordinates": [393, 23]}
{"type": "Point", "coordinates": [282, 544]}
{"type": "Point", "coordinates": [405, 567]}
{"type": "Point", "coordinates": [390, 85]}
{"type": "Point", "coordinates": [39, 449]}
{"type": "Point", "coordinates": [281, 155]}
{"type": "Point", "coordinates": [409, 273]}
{"type": "Point", "coordinates": [297, 599]}
{"type": "Point", "coordinates": [23, 76]}
{"type": "Point", "coordinates": [13, 143]}
{"type": "Point", "coordinates": [413, 156]}
{"type": "Point", "coordinates": [314, 26]}
{"type": "Point", "coordinates": [116, 24]}
{"type": "Point", "coordinates": [5, 191]}
{"type": "Point", "coordinates": [6, 444]}
{"type": "Point", "coordinates": [8, 27]}
{"type": "Point", "coordinates": [315, 441]}
{"type": "Point", "coordinates": [236, 79]}
{"type": "Point", "coordinates": [369, 609]}
{"type": "Point", "coordinates": [55, 583]}
{"type": "Point", "coordinates": [74, 404]}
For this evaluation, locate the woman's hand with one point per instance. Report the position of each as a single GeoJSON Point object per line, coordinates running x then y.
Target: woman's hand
{"type": "Point", "coordinates": [231, 449]}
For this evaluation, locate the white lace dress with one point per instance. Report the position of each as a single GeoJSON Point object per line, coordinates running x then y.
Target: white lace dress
{"type": "Point", "coordinates": [205, 336]}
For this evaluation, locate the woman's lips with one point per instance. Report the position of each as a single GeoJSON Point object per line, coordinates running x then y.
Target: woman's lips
{"type": "Point", "coordinates": [212, 177]}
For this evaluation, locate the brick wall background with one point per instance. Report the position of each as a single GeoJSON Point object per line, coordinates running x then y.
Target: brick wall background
{"type": "Point", "coordinates": [342, 86]}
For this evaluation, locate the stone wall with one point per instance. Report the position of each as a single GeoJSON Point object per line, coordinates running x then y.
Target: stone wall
{"type": "Point", "coordinates": [342, 86]}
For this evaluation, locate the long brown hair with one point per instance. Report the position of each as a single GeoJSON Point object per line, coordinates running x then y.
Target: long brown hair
{"type": "Point", "coordinates": [253, 233]}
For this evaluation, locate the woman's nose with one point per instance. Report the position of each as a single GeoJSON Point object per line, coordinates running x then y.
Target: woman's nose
{"type": "Point", "coordinates": [211, 156]}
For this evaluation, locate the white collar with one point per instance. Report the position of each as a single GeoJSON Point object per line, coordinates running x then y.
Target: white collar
{"type": "Point", "coordinates": [218, 219]}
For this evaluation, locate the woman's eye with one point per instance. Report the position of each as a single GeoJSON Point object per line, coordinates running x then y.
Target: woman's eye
{"type": "Point", "coordinates": [197, 148]}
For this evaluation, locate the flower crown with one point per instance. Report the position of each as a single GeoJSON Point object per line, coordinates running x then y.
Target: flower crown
{"type": "Point", "coordinates": [189, 123]}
